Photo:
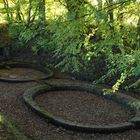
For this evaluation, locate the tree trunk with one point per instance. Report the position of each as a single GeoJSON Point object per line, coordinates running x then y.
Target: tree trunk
{"type": "Point", "coordinates": [74, 8]}
{"type": "Point", "coordinates": [100, 5]}
{"type": "Point", "coordinates": [29, 12]}
{"type": "Point", "coordinates": [42, 12]}
{"type": "Point", "coordinates": [111, 15]}
{"type": "Point", "coordinates": [9, 14]}
{"type": "Point", "coordinates": [18, 12]}
{"type": "Point", "coordinates": [138, 32]}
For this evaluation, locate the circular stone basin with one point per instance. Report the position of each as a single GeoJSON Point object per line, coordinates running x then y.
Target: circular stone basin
{"type": "Point", "coordinates": [82, 107]}
{"type": "Point", "coordinates": [23, 72]}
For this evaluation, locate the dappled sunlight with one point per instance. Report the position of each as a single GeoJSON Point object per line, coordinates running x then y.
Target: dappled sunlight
{"type": "Point", "coordinates": [54, 9]}
{"type": "Point", "coordinates": [1, 119]}
{"type": "Point", "coordinates": [132, 20]}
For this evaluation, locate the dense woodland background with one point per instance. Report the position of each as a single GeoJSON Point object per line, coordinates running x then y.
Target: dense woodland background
{"type": "Point", "coordinates": [96, 40]}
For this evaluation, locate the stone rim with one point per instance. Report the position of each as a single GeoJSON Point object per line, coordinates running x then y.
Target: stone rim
{"type": "Point", "coordinates": [30, 95]}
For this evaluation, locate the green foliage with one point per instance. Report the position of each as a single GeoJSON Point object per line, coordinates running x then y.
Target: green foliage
{"type": "Point", "coordinates": [135, 105]}
{"type": "Point", "coordinates": [67, 41]}
{"type": "Point", "coordinates": [119, 82]}
{"type": "Point", "coordinates": [78, 32]}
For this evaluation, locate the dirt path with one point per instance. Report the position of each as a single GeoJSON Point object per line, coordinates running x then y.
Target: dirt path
{"type": "Point", "coordinates": [12, 105]}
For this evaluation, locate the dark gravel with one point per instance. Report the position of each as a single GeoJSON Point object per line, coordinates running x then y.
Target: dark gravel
{"type": "Point", "coordinates": [83, 107]}
{"type": "Point", "coordinates": [12, 105]}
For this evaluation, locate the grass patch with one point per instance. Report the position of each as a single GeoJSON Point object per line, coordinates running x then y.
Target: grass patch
{"type": "Point", "coordinates": [9, 132]}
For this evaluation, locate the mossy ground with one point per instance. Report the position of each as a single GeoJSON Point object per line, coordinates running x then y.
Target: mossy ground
{"type": "Point", "coordinates": [9, 132]}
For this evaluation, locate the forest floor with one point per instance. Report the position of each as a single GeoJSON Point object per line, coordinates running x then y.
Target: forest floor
{"type": "Point", "coordinates": [12, 105]}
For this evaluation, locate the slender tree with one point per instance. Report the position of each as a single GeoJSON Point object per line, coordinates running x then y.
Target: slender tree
{"type": "Point", "coordinates": [74, 8]}
{"type": "Point", "coordinates": [8, 12]}
{"type": "Point", "coordinates": [100, 4]}
{"type": "Point", "coordinates": [29, 12]}
{"type": "Point", "coordinates": [110, 12]}
{"type": "Point", "coordinates": [18, 11]}
{"type": "Point", "coordinates": [42, 12]}
{"type": "Point", "coordinates": [138, 32]}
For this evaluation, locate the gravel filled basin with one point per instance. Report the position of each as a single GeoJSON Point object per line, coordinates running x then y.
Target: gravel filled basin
{"type": "Point", "coordinates": [23, 72]}
{"type": "Point", "coordinates": [83, 107]}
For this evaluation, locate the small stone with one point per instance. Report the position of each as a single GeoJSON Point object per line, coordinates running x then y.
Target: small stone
{"type": "Point", "coordinates": [12, 76]}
